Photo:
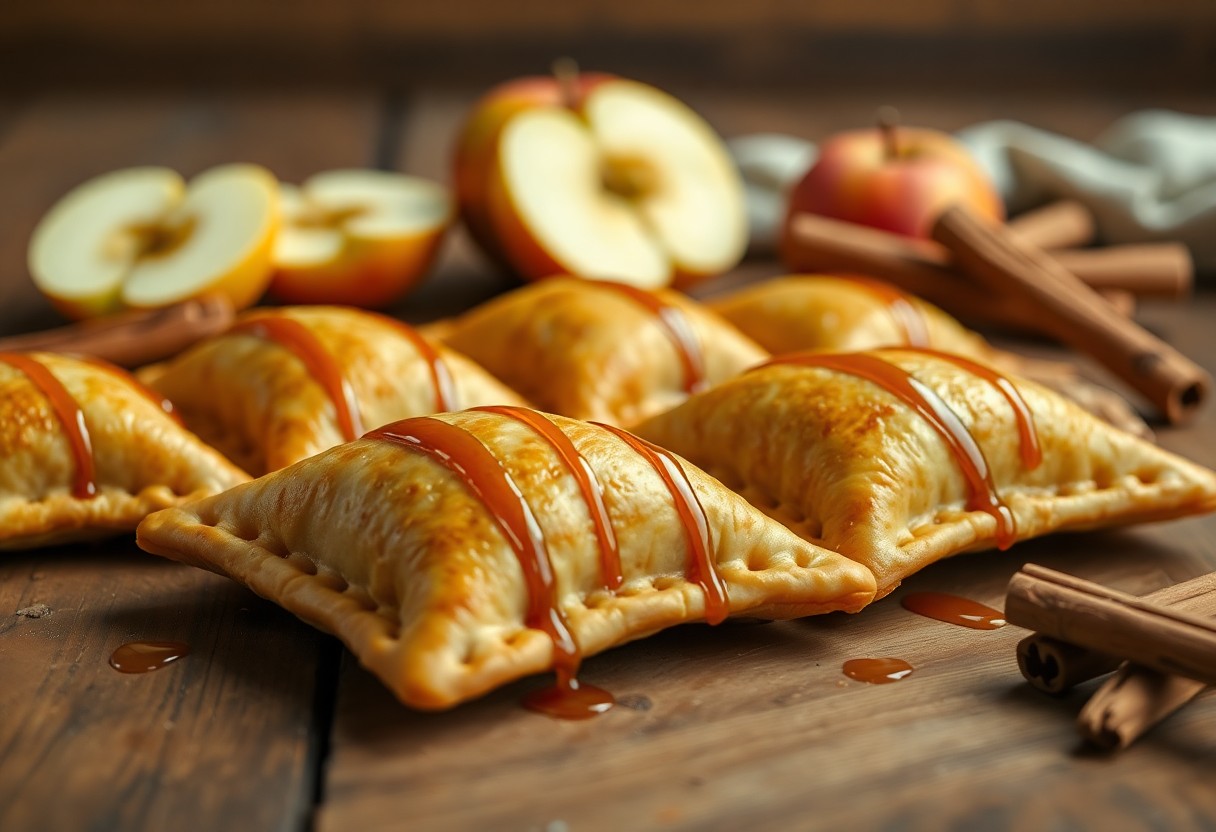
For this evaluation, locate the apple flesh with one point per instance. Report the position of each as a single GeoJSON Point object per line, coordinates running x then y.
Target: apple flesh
{"type": "Point", "coordinates": [358, 237]}
{"type": "Point", "coordinates": [898, 179]}
{"type": "Point", "coordinates": [599, 177]}
{"type": "Point", "coordinates": [142, 238]}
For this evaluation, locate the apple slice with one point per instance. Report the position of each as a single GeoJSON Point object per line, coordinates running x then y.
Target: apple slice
{"type": "Point", "coordinates": [358, 237]}
{"type": "Point", "coordinates": [141, 238]}
{"type": "Point", "coordinates": [599, 177]}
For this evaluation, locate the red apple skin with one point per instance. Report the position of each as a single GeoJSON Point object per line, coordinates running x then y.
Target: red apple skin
{"type": "Point", "coordinates": [366, 277]}
{"type": "Point", "coordinates": [854, 180]}
{"type": "Point", "coordinates": [475, 166]}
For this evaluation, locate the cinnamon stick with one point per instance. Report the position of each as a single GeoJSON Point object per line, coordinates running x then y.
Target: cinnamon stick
{"type": "Point", "coordinates": [1098, 618]}
{"type": "Point", "coordinates": [1122, 302]}
{"type": "Point", "coordinates": [814, 243]}
{"type": "Point", "coordinates": [1054, 666]}
{"type": "Point", "coordinates": [1063, 224]}
{"type": "Point", "coordinates": [1146, 270]}
{"type": "Point", "coordinates": [1072, 312]}
{"type": "Point", "coordinates": [1132, 702]}
{"type": "Point", "coordinates": [130, 339]}
{"type": "Point", "coordinates": [818, 244]}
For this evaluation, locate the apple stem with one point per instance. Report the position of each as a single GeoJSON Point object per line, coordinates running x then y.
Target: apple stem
{"type": "Point", "coordinates": [888, 124]}
{"type": "Point", "coordinates": [565, 70]}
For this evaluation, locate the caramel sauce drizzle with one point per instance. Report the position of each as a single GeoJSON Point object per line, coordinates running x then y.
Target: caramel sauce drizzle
{"type": "Point", "coordinates": [877, 671]}
{"type": "Point", "coordinates": [952, 609]}
{"type": "Point", "coordinates": [321, 365]}
{"type": "Point", "coordinates": [678, 328]}
{"type": "Point", "coordinates": [701, 567]}
{"type": "Point", "coordinates": [588, 483]}
{"type": "Point", "coordinates": [908, 316]}
{"type": "Point", "coordinates": [441, 375]}
{"type": "Point", "coordinates": [930, 407]}
{"type": "Point", "coordinates": [68, 412]}
{"type": "Point", "coordinates": [489, 481]}
{"type": "Point", "coordinates": [146, 656]}
{"type": "Point", "coordinates": [1032, 452]}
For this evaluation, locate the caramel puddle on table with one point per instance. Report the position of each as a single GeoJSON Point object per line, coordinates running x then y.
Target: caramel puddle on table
{"type": "Point", "coordinates": [571, 700]}
{"type": "Point", "coordinates": [145, 656]}
{"type": "Point", "coordinates": [954, 610]}
{"type": "Point", "coordinates": [877, 671]}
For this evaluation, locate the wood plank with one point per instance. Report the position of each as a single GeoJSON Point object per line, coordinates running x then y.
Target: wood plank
{"type": "Point", "coordinates": [755, 726]}
{"type": "Point", "coordinates": [226, 737]}
{"type": "Point", "coordinates": [223, 736]}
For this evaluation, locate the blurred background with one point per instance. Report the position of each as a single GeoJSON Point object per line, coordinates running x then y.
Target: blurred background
{"type": "Point", "coordinates": [1153, 44]}
{"type": "Point", "coordinates": [306, 85]}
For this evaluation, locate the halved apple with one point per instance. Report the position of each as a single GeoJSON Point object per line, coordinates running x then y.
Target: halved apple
{"type": "Point", "coordinates": [140, 238]}
{"type": "Point", "coordinates": [358, 237]}
{"type": "Point", "coordinates": [599, 177]}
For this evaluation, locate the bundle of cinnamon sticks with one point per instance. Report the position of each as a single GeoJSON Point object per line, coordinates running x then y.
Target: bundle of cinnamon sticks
{"type": "Point", "coordinates": [1024, 275]}
{"type": "Point", "coordinates": [1161, 648]}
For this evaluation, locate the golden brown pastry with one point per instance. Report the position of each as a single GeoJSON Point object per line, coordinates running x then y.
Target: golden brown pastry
{"type": "Point", "coordinates": [846, 314]}
{"type": "Point", "coordinates": [412, 547]}
{"type": "Point", "coordinates": [843, 314]}
{"type": "Point", "coordinates": [898, 458]}
{"type": "Point", "coordinates": [602, 351]}
{"type": "Point", "coordinates": [86, 452]}
{"type": "Point", "coordinates": [284, 384]}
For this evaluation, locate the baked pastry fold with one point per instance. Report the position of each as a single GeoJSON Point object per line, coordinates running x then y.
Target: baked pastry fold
{"type": "Point", "coordinates": [849, 465]}
{"type": "Point", "coordinates": [267, 403]}
{"type": "Point", "coordinates": [843, 314]}
{"type": "Point", "coordinates": [96, 464]}
{"type": "Point", "coordinates": [387, 547]}
{"type": "Point", "coordinates": [846, 314]}
{"type": "Point", "coordinates": [601, 351]}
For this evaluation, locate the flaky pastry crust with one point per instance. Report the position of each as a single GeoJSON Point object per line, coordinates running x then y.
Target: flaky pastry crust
{"type": "Point", "coordinates": [390, 551]}
{"type": "Point", "coordinates": [144, 461]}
{"type": "Point", "coordinates": [578, 348]}
{"type": "Point", "coordinates": [259, 404]}
{"type": "Point", "coordinates": [847, 465]}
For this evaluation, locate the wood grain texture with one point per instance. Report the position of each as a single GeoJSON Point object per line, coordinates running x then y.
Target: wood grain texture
{"type": "Point", "coordinates": [222, 736]}
{"type": "Point", "coordinates": [226, 737]}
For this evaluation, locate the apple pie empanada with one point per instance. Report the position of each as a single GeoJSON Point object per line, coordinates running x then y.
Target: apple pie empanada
{"type": "Point", "coordinates": [847, 314]}
{"type": "Point", "coordinates": [287, 383]}
{"type": "Point", "coordinates": [599, 350]}
{"type": "Point", "coordinates": [898, 458]}
{"type": "Point", "coordinates": [87, 452]}
{"type": "Point", "coordinates": [456, 552]}
{"type": "Point", "coordinates": [843, 314]}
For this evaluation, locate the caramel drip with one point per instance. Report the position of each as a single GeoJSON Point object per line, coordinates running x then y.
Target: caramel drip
{"type": "Point", "coordinates": [588, 483]}
{"type": "Point", "coordinates": [907, 314]}
{"type": "Point", "coordinates": [877, 671]}
{"type": "Point", "coordinates": [489, 481]}
{"type": "Point", "coordinates": [441, 375]}
{"type": "Point", "coordinates": [930, 407]}
{"type": "Point", "coordinates": [701, 568]}
{"type": "Point", "coordinates": [678, 328]}
{"type": "Point", "coordinates": [321, 364]}
{"type": "Point", "coordinates": [1032, 453]}
{"type": "Point", "coordinates": [131, 381]}
{"type": "Point", "coordinates": [69, 414]}
{"type": "Point", "coordinates": [146, 656]}
{"type": "Point", "coordinates": [952, 609]}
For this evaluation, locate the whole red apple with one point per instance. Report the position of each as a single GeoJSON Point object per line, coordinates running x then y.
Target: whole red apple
{"type": "Point", "coordinates": [895, 178]}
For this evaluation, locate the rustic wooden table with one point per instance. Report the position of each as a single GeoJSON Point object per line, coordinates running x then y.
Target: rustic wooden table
{"type": "Point", "coordinates": [270, 725]}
